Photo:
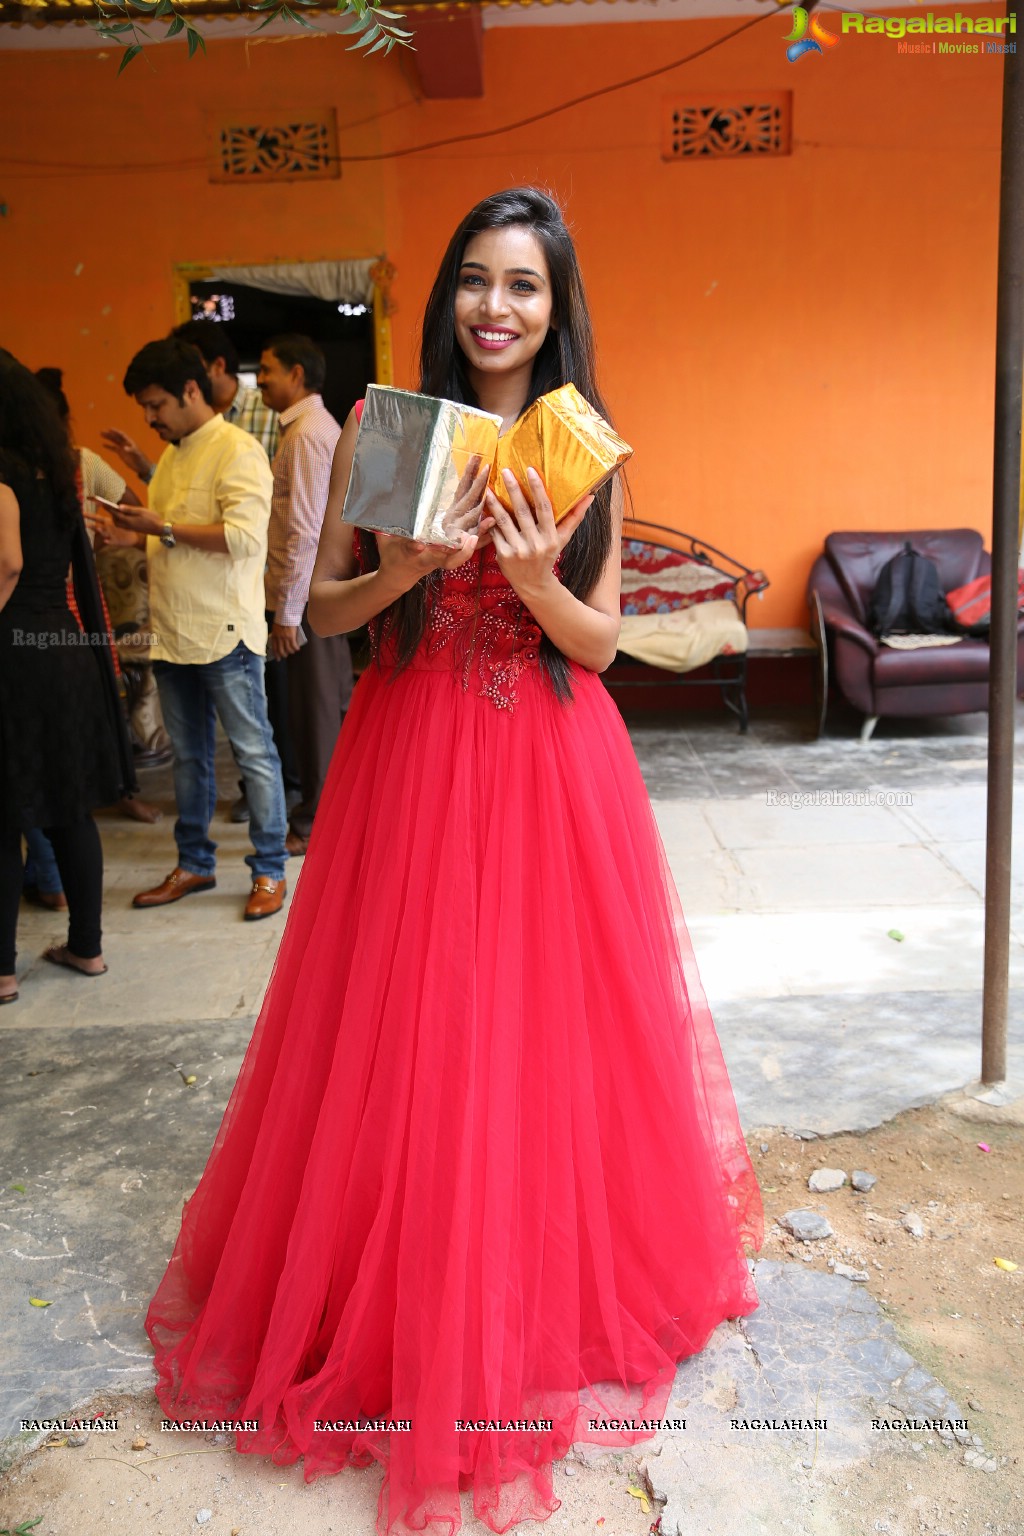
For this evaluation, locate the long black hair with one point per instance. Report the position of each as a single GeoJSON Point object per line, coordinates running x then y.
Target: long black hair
{"type": "Point", "coordinates": [33, 438]}
{"type": "Point", "coordinates": [566, 356]}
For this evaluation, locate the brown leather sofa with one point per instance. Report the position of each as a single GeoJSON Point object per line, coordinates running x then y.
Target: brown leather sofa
{"type": "Point", "coordinates": [937, 680]}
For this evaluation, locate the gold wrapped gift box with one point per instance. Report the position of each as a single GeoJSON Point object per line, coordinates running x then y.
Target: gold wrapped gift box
{"type": "Point", "coordinates": [571, 447]}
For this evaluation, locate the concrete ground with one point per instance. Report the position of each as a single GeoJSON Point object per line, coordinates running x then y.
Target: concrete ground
{"type": "Point", "coordinates": [827, 1021]}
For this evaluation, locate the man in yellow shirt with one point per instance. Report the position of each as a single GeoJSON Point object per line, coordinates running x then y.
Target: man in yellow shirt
{"type": "Point", "coordinates": [206, 541]}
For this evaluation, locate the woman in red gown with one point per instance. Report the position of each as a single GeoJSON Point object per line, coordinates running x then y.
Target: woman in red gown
{"type": "Point", "coordinates": [481, 1183]}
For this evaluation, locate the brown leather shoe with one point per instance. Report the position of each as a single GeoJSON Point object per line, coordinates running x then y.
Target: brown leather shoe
{"type": "Point", "coordinates": [266, 899]}
{"type": "Point", "coordinates": [295, 845]}
{"type": "Point", "coordinates": [53, 901]}
{"type": "Point", "coordinates": [139, 810]}
{"type": "Point", "coordinates": [179, 883]}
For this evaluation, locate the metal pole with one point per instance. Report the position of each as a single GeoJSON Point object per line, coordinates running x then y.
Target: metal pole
{"type": "Point", "coordinates": [1003, 634]}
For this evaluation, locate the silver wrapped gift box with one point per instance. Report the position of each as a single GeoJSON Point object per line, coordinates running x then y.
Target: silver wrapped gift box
{"type": "Point", "coordinates": [410, 457]}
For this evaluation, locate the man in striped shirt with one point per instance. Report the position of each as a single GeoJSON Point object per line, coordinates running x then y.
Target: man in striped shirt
{"type": "Point", "coordinates": [291, 375]}
{"type": "Point", "coordinates": [237, 403]}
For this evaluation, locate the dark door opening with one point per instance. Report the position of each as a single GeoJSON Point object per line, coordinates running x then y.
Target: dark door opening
{"type": "Point", "coordinates": [344, 331]}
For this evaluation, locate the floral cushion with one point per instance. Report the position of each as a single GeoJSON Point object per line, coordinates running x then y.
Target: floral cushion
{"type": "Point", "coordinates": [660, 580]}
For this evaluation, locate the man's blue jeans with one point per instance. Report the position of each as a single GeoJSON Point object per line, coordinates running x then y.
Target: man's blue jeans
{"type": "Point", "coordinates": [234, 686]}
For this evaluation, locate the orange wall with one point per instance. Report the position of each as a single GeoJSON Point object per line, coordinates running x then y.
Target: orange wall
{"type": "Point", "coordinates": [792, 345]}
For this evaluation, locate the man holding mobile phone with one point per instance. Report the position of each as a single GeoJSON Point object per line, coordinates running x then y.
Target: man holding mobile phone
{"type": "Point", "coordinates": [206, 538]}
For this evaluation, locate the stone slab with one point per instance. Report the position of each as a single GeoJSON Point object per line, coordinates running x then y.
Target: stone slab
{"type": "Point", "coordinates": [831, 1063]}
{"type": "Point", "coordinates": [819, 1347]}
{"type": "Point", "coordinates": [107, 1141]}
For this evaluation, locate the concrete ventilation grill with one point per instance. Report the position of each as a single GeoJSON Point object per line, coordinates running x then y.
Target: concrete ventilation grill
{"type": "Point", "coordinates": [283, 151]}
{"type": "Point", "coordinates": [727, 130]}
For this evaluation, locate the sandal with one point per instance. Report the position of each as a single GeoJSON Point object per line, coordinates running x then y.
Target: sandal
{"type": "Point", "coordinates": [59, 954]}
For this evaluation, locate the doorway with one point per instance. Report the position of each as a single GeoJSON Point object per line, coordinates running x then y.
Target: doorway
{"type": "Point", "coordinates": [345, 332]}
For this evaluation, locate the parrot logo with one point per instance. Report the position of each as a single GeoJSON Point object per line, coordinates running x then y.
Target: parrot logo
{"type": "Point", "coordinates": [800, 43]}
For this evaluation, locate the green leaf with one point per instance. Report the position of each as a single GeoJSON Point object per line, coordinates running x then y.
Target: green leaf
{"type": "Point", "coordinates": [382, 42]}
{"type": "Point", "coordinates": [34, 1301]}
{"type": "Point", "coordinates": [175, 27]}
{"type": "Point", "coordinates": [195, 40]}
{"type": "Point", "coordinates": [149, 7]}
{"type": "Point", "coordinates": [367, 37]}
{"type": "Point", "coordinates": [267, 20]}
{"type": "Point", "coordinates": [113, 29]}
{"type": "Point", "coordinates": [164, 8]}
{"type": "Point", "coordinates": [19, 1187]}
{"type": "Point", "coordinates": [129, 54]}
{"type": "Point", "coordinates": [300, 21]}
{"type": "Point", "coordinates": [894, 933]}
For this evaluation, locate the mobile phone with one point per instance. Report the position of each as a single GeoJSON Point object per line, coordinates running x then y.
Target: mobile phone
{"type": "Point", "coordinates": [111, 506]}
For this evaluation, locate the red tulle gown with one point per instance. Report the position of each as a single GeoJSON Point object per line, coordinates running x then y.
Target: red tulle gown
{"type": "Point", "coordinates": [482, 1163]}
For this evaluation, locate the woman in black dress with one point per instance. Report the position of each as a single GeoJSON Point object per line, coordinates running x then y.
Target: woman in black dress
{"type": "Point", "coordinates": [63, 750]}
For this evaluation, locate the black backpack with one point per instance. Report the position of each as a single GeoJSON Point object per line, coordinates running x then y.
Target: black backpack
{"type": "Point", "coordinates": [908, 599]}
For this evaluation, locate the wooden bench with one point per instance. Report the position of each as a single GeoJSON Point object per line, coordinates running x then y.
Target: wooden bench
{"type": "Point", "coordinates": [684, 612]}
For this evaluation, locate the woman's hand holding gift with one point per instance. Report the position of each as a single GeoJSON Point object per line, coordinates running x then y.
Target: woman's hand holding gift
{"type": "Point", "coordinates": [527, 540]}
{"type": "Point", "coordinates": [403, 561]}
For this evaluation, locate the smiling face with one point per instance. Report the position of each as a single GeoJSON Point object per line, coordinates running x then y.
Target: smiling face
{"type": "Point", "coordinates": [279, 385]}
{"type": "Point", "coordinates": [503, 306]}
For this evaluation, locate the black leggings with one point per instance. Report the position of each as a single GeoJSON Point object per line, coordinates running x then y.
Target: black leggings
{"type": "Point", "coordinates": [79, 855]}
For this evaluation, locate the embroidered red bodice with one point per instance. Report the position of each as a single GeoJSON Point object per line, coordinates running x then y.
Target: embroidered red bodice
{"type": "Point", "coordinates": [477, 627]}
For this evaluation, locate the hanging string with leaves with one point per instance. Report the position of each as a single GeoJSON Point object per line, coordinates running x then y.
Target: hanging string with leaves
{"type": "Point", "coordinates": [121, 21]}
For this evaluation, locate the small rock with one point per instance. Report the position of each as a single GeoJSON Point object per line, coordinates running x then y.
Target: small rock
{"type": "Point", "coordinates": [78, 1440]}
{"type": "Point", "coordinates": [974, 1405]}
{"type": "Point", "coordinates": [569, 1469]}
{"type": "Point", "coordinates": [139, 1443]}
{"type": "Point", "coordinates": [860, 1275]}
{"type": "Point", "coordinates": [912, 1223]}
{"type": "Point", "coordinates": [807, 1226]}
{"type": "Point", "coordinates": [863, 1181]}
{"type": "Point", "coordinates": [764, 1146]}
{"type": "Point", "coordinates": [978, 1459]}
{"type": "Point", "coordinates": [203, 1515]}
{"type": "Point", "coordinates": [824, 1180]}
